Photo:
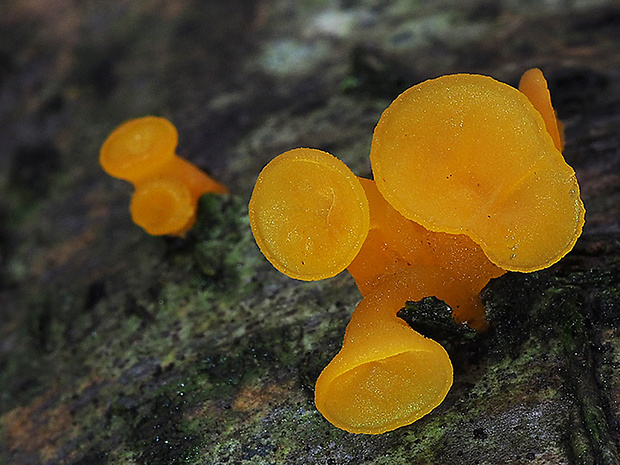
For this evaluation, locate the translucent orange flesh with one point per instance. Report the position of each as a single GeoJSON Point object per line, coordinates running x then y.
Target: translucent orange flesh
{"type": "Point", "coordinates": [470, 182]}
{"type": "Point", "coordinates": [141, 151]}
{"type": "Point", "coordinates": [309, 214]}
{"type": "Point", "coordinates": [386, 375]}
{"type": "Point", "coordinates": [395, 243]}
{"type": "Point", "coordinates": [163, 206]}
{"type": "Point", "coordinates": [468, 154]}
{"type": "Point", "coordinates": [139, 148]}
{"type": "Point", "coordinates": [534, 85]}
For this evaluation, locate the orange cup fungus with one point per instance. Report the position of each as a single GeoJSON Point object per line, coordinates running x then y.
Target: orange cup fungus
{"type": "Point", "coordinates": [488, 169]}
{"type": "Point", "coordinates": [309, 214]}
{"type": "Point", "coordinates": [386, 375]}
{"type": "Point", "coordinates": [469, 183]}
{"type": "Point", "coordinates": [167, 187]}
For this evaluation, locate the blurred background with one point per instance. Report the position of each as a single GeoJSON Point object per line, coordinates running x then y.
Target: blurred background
{"type": "Point", "coordinates": [122, 348]}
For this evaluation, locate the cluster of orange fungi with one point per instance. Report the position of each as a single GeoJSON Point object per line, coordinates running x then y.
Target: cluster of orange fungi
{"type": "Point", "coordinates": [469, 181]}
{"type": "Point", "coordinates": [167, 187]}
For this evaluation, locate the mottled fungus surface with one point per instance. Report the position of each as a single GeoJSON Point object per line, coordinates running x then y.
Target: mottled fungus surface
{"type": "Point", "coordinates": [142, 151]}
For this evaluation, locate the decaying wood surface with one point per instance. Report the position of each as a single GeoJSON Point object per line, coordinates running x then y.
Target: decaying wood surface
{"type": "Point", "coordinates": [121, 348]}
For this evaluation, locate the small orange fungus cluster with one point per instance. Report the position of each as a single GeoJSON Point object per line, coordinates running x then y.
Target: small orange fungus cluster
{"type": "Point", "coordinates": [167, 187]}
{"type": "Point", "coordinates": [469, 182]}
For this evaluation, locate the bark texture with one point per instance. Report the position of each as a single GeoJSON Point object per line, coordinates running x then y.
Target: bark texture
{"type": "Point", "coordinates": [121, 348]}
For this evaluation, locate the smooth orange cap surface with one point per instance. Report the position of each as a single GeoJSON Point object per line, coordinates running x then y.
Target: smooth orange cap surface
{"type": "Point", "coordinates": [309, 214]}
{"type": "Point", "coordinates": [466, 154]}
{"type": "Point", "coordinates": [163, 206]}
{"type": "Point", "coordinates": [386, 375]}
{"type": "Point", "coordinates": [139, 148]}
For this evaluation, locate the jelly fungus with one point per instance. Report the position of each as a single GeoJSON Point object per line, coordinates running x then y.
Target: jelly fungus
{"type": "Point", "coordinates": [469, 182]}
{"type": "Point", "coordinates": [309, 214]}
{"type": "Point", "coordinates": [386, 375]}
{"type": "Point", "coordinates": [465, 154]}
{"type": "Point", "coordinates": [534, 85]}
{"type": "Point", "coordinates": [167, 187]}
{"type": "Point", "coordinates": [395, 243]}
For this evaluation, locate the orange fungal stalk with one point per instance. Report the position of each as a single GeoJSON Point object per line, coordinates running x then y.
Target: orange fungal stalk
{"type": "Point", "coordinates": [395, 243]}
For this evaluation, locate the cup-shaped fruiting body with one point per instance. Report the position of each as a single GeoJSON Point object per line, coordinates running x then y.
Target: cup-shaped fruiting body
{"type": "Point", "coordinates": [386, 375]}
{"type": "Point", "coordinates": [465, 154]}
{"type": "Point", "coordinates": [142, 151]}
{"type": "Point", "coordinates": [163, 206]}
{"type": "Point", "coordinates": [309, 214]}
{"type": "Point", "coordinates": [534, 85]}
{"type": "Point", "coordinates": [395, 243]}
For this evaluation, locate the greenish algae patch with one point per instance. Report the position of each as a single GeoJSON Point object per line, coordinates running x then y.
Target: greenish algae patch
{"type": "Point", "coordinates": [199, 356]}
{"type": "Point", "coordinates": [566, 314]}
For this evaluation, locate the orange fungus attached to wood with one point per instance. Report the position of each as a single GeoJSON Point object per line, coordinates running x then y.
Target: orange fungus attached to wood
{"type": "Point", "coordinates": [386, 375]}
{"type": "Point", "coordinates": [309, 214]}
{"type": "Point", "coordinates": [465, 154]}
{"type": "Point", "coordinates": [469, 182]}
{"type": "Point", "coordinates": [395, 243]}
{"type": "Point", "coordinates": [162, 206]}
{"type": "Point", "coordinates": [142, 151]}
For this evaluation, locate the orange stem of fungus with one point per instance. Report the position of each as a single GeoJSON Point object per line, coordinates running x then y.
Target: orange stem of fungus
{"type": "Point", "coordinates": [395, 243]}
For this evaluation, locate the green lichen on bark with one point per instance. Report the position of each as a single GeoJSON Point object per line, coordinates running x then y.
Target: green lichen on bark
{"type": "Point", "coordinates": [571, 310]}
